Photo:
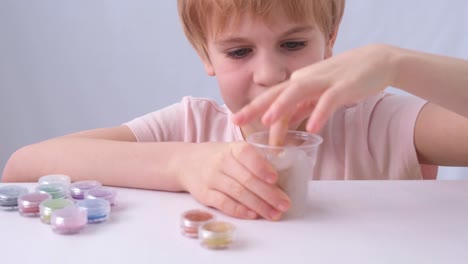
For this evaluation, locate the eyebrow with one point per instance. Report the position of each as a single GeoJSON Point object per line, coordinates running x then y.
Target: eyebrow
{"type": "Point", "coordinates": [235, 40]}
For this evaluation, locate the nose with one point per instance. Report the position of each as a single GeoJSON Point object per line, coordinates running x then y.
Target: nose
{"type": "Point", "coordinates": [269, 70]}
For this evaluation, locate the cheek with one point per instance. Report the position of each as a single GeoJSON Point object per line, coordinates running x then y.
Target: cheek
{"type": "Point", "coordinates": [234, 87]}
{"type": "Point", "coordinates": [314, 56]}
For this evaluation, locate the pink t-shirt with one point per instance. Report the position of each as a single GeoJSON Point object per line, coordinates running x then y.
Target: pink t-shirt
{"type": "Point", "coordinates": [370, 140]}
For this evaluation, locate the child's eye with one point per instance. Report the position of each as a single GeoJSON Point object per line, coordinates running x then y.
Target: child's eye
{"type": "Point", "coordinates": [239, 53]}
{"type": "Point", "coordinates": [294, 45]}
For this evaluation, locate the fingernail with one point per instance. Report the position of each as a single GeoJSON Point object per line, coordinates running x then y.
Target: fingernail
{"type": "Point", "coordinates": [267, 118]}
{"type": "Point", "coordinates": [270, 178]}
{"type": "Point", "coordinates": [237, 118]}
{"type": "Point", "coordinates": [275, 215]}
{"type": "Point", "coordinates": [283, 206]}
{"type": "Point", "coordinates": [251, 214]}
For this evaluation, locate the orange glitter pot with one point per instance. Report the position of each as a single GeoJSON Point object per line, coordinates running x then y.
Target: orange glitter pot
{"type": "Point", "coordinates": [191, 220]}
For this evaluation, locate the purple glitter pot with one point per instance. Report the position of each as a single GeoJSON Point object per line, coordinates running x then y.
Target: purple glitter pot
{"type": "Point", "coordinates": [9, 196]}
{"type": "Point", "coordinates": [28, 204]}
{"type": "Point", "coordinates": [69, 220]}
{"type": "Point", "coordinates": [79, 188]}
{"type": "Point", "coordinates": [103, 193]}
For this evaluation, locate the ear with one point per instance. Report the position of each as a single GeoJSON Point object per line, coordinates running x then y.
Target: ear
{"type": "Point", "coordinates": [209, 69]}
{"type": "Point", "coordinates": [331, 43]}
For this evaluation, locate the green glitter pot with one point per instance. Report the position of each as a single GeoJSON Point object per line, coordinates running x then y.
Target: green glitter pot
{"type": "Point", "coordinates": [56, 190]}
{"type": "Point", "coordinates": [48, 206]}
{"type": "Point", "coordinates": [55, 179]}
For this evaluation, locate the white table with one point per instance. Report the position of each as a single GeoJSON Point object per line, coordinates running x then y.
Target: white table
{"type": "Point", "coordinates": [348, 222]}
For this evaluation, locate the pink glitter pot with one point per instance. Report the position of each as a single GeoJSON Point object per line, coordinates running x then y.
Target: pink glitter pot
{"type": "Point", "coordinates": [103, 193]}
{"type": "Point", "coordinates": [69, 220]}
{"type": "Point", "coordinates": [191, 220]}
{"type": "Point", "coordinates": [79, 188]}
{"type": "Point", "coordinates": [28, 204]}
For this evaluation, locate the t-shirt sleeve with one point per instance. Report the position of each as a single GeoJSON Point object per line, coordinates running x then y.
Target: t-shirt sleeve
{"type": "Point", "coordinates": [390, 121]}
{"type": "Point", "coordinates": [162, 125]}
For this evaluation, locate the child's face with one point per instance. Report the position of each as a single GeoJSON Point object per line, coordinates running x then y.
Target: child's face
{"type": "Point", "coordinates": [249, 57]}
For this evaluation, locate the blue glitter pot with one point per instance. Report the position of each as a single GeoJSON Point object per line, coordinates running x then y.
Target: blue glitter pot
{"type": "Point", "coordinates": [9, 196]}
{"type": "Point", "coordinates": [98, 210]}
{"type": "Point", "coordinates": [79, 188]}
{"type": "Point", "coordinates": [56, 190]}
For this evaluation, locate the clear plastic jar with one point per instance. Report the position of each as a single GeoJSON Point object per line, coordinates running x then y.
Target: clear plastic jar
{"type": "Point", "coordinates": [103, 193]}
{"type": "Point", "coordinates": [56, 190]}
{"type": "Point", "coordinates": [191, 220]}
{"type": "Point", "coordinates": [9, 196]}
{"type": "Point", "coordinates": [48, 206]}
{"type": "Point", "coordinates": [28, 204]}
{"type": "Point", "coordinates": [98, 210]}
{"type": "Point", "coordinates": [217, 235]}
{"type": "Point", "coordinates": [55, 179]}
{"type": "Point", "coordinates": [69, 220]}
{"type": "Point", "coordinates": [79, 188]}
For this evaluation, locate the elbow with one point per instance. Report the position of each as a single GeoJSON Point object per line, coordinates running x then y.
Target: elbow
{"type": "Point", "coordinates": [15, 167]}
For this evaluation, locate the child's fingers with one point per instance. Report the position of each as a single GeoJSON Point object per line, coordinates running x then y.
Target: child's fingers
{"type": "Point", "coordinates": [228, 205]}
{"type": "Point", "coordinates": [278, 131]}
{"type": "Point", "coordinates": [245, 196]}
{"type": "Point", "coordinates": [258, 106]}
{"type": "Point", "coordinates": [326, 106]}
{"type": "Point", "coordinates": [242, 171]}
{"type": "Point", "coordinates": [292, 95]}
{"type": "Point", "coordinates": [254, 162]}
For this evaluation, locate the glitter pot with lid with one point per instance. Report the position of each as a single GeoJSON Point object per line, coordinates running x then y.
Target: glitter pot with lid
{"type": "Point", "coordinates": [79, 188]}
{"type": "Point", "coordinates": [56, 190]}
{"type": "Point", "coordinates": [216, 234]}
{"type": "Point", "coordinates": [47, 207]}
{"type": "Point", "coordinates": [103, 193]}
{"type": "Point", "coordinates": [28, 204]}
{"type": "Point", "coordinates": [191, 220]}
{"type": "Point", "coordinates": [9, 196]}
{"type": "Point", "coordinates": [55, 179]}
{"type": "Point", "coordinates": [98, 210]}
{"type": "Point", "coordinates": [69, 220]}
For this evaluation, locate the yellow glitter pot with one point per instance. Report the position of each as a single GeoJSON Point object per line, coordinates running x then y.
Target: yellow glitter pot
{"type": "Point", "coordinates": [216, 234]}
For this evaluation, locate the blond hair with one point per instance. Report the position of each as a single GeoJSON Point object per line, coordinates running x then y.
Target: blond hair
{"type": "Point", "coordinates": [197, 15]}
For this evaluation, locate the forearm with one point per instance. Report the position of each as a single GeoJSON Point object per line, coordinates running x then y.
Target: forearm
{"type": "Point", "coordinates": [439, 79]}
{"type": "Point", "coordinates": [116, 163]}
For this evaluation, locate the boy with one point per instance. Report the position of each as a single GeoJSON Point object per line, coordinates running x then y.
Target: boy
{"type": "Point", "coordinates": [193, 146]}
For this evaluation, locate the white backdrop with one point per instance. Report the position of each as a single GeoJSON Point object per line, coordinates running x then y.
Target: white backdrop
{"type": "Point", "coordinates": [72, 65]}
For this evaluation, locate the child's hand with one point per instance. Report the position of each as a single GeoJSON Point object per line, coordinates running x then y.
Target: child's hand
{"type": "Point", "coordinates": [235, 179]}
{"type": "Point", "coordinates": [319, 89]}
